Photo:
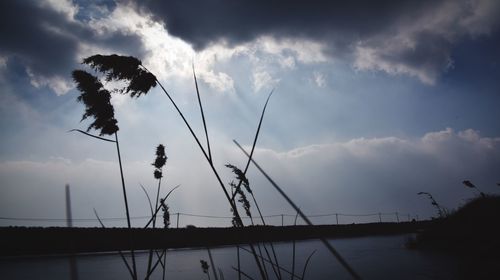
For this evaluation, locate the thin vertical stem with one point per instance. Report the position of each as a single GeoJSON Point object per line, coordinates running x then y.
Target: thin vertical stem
{"type": "Point", "coordinates": [164, 262]}
{"type": "Point", "coordinates": [302, 215]}
{"type": "Point", "coordinates": [126, 205]}
{"type": "Point", "coordinates": [233, 205]}
{"type": "Point", "coordinates": [293, 249]}
{"type": "Point", "coordinates": [202, 115]}
{"type": "Point", "coordinates": [239, 265]}
{"type": "Point", "coordinates": [212, 263]}
{"type": "Point", "coordinates": [119, 252]}
{"type": "Point", "coordinates": [150, 257]}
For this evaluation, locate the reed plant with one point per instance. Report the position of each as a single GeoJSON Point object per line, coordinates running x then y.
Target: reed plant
{"type": "Point", "coordinates": [97, 101]}
{"type": "Point", "coordinates": [137, 80]}
{"type": "Point", "coordinates": [442, 212]}
{"type": "Point", "coordinates": [469, 184]}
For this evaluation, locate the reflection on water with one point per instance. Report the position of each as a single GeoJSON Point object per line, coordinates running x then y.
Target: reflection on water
{"type": "Point", "coordinates": [382, 257]}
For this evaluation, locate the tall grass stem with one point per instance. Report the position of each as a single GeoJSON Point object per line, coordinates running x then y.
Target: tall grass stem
{"type": "Point", "coordinates": [332, 250]}
{"type": "Point", "coordinates": [126, 205]}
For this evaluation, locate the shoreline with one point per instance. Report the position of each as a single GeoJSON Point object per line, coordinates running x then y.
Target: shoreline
{"type": "Point", "coordinates": [36, 241]}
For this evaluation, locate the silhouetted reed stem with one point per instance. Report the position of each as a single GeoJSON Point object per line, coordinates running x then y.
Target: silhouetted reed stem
{"type": "Point", "coordinates": [233, 205]}
{"type": "Point", "coordinates": [126, 205]}
{"type": "Point", "coordinates": [158, 261]}
{"type": "Point", "coordinates": [293, 248]}
{"type": "Point", "coordinates": [202, 115]}
{"type": "Point", "coordinates": [239, 264]}
{"type": "Point", "coordinates": [269, 261]}
{"type": "Point", "coordinates": [256, 137]}
{"type": "Point", "coordinates": [212, 263]}
{"type": "Point", "coordinates": [302, 215]}
{"type": "Point", "coordinates": [119, 252]}
{"type": "Point", "coordinates": [150, 257]}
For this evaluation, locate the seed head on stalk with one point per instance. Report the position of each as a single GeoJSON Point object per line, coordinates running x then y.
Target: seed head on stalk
{"type": "Point", "coordinates": [123, 68]}
{"type": "Point", "coordinates": [160, 161]}
{"type": "Point", "coordinates": [97, 103]}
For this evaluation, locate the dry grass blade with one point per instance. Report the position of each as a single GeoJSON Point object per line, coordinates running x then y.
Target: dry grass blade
{"type": "Point", "coordinates": [202, 115]}
{"type": "Point", "coordinates": [126, 204]}
{"type": "Point", "coordinates": [212, 263]}
{"type": "Point", "coordinates": [119, 252]}
{"type": "Point", "coordinates": [242, 273]}
{"type": "Point", "coordinates": [159, 207]}
{"type": "Point", "coordinates": [214, 170]}
{"type": "Point", "coordinates": [305, 265]}
{"type": "Point", "coordinates": [88, 134]}
{"type": "Point", "coordinates": [149, 199]}
{"type": "Point", "coordinates": [158, 261]}
{"type": "Point", "coordinates": [293, 247]}
{"type": "Point", "coordinates": [269, 261]}
{"type": "Point", "coordinates": [302, 215]}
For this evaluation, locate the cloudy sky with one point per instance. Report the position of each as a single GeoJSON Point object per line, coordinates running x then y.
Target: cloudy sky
{"type": "Point", "coordinates": [373, 102]}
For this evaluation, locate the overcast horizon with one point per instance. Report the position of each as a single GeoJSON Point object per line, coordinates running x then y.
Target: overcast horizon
{"type": "Point", "coordinates": [373, 102]}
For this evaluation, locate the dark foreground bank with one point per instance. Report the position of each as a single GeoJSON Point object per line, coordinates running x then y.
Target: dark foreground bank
{"type": "Point", "coordinates": [16, 241]}
{"type": "Point", "coordinates": [473, 229]}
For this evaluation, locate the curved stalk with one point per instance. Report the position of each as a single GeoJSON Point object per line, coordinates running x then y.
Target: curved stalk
{"type": "Point", "coordinates": [233, 205]}
{"type": "Point", "coordinates": [126, 205]}
{"type": "Point", "coordinates": [302, 215]}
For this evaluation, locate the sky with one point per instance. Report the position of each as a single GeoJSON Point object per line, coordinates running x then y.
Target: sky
{"type": "Point", "coordinates": [374, 101]}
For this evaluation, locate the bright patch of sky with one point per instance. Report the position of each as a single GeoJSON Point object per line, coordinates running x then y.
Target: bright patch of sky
{"type": "Point", "coordinates": [354, 133]}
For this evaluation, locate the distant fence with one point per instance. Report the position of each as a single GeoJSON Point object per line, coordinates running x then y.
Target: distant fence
{"type": "Point", "coordinates": [182, 219]}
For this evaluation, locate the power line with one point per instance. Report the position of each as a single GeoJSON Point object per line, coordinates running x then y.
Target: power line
{"type": "Point", "coordinates": [189, 215]}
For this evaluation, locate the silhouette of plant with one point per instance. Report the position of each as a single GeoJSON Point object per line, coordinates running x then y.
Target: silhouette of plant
{"type": "Point", "coordinates": [123, 68]}
{"type": "Point", "coordinates": [469, 184]}
{"type": "Point", "coordinates": [139, 80]}
{"type": "Point", "coordinates": [166, 213]}
{"type": "Point", "coordinates": [442, 212]}
{"type": "Point", "coordinates": [238, 191]}
{"type": "Point", "coordinates": [160, 161]}
{"type": "Point", "coordinates": [97, 103]}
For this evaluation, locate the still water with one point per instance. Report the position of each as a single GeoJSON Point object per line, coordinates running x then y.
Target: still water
{"type": "Point", "coordinates": [380, 257]}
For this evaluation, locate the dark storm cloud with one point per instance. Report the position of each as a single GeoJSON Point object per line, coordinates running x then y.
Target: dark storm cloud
{"type": "Point", "coordinates": [202, 22]}
{"type": "Point", "coordinates": [47, 41]}
{"type": "Point", "coordinates": [25, 31]}
{"type": "Point", "coordinates": [415, 38]}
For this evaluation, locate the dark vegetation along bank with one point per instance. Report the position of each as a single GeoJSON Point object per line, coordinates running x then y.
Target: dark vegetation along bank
{"type": "Point", "coordinates": [473, 230]}
{"type": "Point", "coordinates": [32, 241]}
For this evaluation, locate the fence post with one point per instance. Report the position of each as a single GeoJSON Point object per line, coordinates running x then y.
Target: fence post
{"type": "Point", "coordinates": [177, 219]}
{"type": "Point", "coordinates": [337, 217]}
{"type": "Point", "coordinates": [380, 217]}
{"type": "Point", "coordinates": [397, 217]}
{"type": "Point", "coordinates": [282, 224]}
{"type": "Point", "coordinates": [408, 217]}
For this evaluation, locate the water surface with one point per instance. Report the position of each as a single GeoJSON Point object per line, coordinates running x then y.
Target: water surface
{"type": "Point", "coordinates": [379, 257]}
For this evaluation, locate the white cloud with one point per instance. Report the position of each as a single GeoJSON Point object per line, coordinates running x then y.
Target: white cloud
{"type": "Point", "coordinates": [3, 62]}
{"type": "Point", "coordinates": [169, 57]}
{"type": "Point", "coordinates": [384, 174]}
{"type": "Point", "coordinates": [263, 80]}
{"type": "Point", "coordinates": [58, 84]}
{"type": "Point", "coordinates": [319, 79]}
{"type": "Point", "coordinates": [305, 51]}
{"type": "Point", "coordinates": [362, 175]}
